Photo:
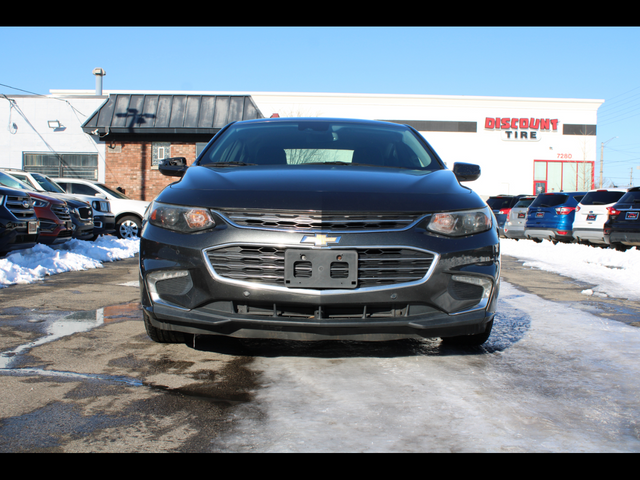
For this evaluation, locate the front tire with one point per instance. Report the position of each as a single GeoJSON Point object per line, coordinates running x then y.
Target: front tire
{"type": "Point", "coordinates": [128, 227]}
{"type": "Point", "coordinates": [470, 340]}
{"type": "Point", "coordinates": [159, 335]}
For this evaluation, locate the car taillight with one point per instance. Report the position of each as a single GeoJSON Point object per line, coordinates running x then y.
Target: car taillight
{"type": "Point", "coordinates": [564, 210]}
{"type": "Point", "coordinates": [577, 208]}
{"type": "Point", "coordinates": [505, 211]}
{"type": "Point", "coordinates": [612, 211]}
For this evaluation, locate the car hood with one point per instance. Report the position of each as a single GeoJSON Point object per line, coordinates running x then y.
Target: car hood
{"type": "Point", "coordinates": [321, 188]}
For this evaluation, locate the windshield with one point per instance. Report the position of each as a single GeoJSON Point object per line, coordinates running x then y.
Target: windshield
{"type": "Point", "coordinates": [304, 142]}
{"type": "Point", "coordinates": [11, 182]}
{"type": "Point", "coordinates": [544, 200]}
{"type": "Point", "coordinates": [601, 198]}
{"type": "Point", "coordinates": [630, 197]}
{"type": "Point", "coordinates": [48, 184]}
{"type": "Point", "coordinates": [115, 193]}
{"type": "Point", "coordinates": [524, 202]}
{"type": "Point", "coordinates": [498, 203]}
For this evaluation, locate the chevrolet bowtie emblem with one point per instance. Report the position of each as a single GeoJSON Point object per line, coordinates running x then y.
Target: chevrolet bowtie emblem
{"type": "Point", "coordinates": [319, 240]}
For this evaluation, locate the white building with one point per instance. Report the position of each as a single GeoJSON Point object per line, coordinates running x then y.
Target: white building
{"type": "Point", "coordinates": [523, 145]}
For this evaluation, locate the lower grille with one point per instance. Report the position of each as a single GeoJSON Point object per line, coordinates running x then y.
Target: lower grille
{"type": "Point", "coordinates": [265, 265]}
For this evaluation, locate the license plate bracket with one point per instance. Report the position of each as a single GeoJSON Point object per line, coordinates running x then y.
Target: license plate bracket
{"type": "Point", "coordinates": [631, 216]}
{"type": "Point", "coordinates": [591, 217]}
{"type": "Point", "coordinates": [306, 268]}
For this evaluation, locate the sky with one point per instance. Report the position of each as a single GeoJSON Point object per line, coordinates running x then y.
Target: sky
{"type": "Point", "coordinates": [542, 62]}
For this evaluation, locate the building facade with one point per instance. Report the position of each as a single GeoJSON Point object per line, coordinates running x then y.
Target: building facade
{"type": "Point", "coordinates": [523, 145]}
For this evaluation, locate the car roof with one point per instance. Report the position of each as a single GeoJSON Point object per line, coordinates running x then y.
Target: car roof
{"type": "Point", "coordinates": [81, 180]}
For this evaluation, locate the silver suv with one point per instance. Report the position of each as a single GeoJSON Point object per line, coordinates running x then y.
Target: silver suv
{"type": "Point", "coordinates": [128, 212]}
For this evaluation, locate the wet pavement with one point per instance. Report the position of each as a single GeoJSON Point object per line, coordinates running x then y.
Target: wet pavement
{"type": "Point", "coordinates": [79, 373]}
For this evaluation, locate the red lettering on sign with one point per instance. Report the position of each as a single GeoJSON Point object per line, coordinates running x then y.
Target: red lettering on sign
{"type": "Point", "coordinates": [523, 123]}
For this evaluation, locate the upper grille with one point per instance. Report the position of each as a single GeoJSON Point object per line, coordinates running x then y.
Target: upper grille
{"type": "Point", "coordinates": [21, 207]}
{"type": "Point", "coordinates": [326, 222]}
{"type": "Point", "coordinates": [62, 212]}
{"type": "Point", "coordinates": [264, 265]}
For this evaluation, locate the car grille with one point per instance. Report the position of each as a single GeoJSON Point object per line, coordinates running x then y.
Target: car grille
{"type": "Point", "coordinates": [85, 213]}
{"type": "Point", "coordinates": [62, 212]}
{"type": "Point", "coordinates": [21, 210]}
{"type": "Point", "coordinates": [325, 222]}
{"type": "Point", "coordinates": [264, 265]}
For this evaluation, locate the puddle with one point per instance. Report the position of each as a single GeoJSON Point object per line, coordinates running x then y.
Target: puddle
{"type": "Point", "coordinates": [57, 328]}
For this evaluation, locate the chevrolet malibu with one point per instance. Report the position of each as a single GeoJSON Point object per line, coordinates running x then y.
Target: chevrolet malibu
{"type": "Point", "coordinates": [312, 229]}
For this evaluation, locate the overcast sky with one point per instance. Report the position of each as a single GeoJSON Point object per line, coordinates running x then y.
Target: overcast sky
{"type": "Point", "coordinates": [551, 62]}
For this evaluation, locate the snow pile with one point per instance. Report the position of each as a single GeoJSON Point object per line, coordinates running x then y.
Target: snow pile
{"type": "Point", "coordinates": [28, 266]}
{"type": "Point", "coordinates": [612, 272]}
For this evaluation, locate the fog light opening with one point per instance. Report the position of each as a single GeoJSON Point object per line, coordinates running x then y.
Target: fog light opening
{"type": "Point", "coordinates": [155, 277]}
{"type": "Point", "coordinates": [485, 283]}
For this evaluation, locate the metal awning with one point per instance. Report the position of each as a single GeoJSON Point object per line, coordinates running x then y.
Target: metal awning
{"type": "Point", "coordinates": [169, 114]}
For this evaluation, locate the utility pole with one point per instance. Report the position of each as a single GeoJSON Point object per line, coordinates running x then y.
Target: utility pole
{"type": "Point", "coordinates": [602, 158]}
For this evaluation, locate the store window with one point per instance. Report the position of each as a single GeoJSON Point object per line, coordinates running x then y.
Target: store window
{"type": "Point", "coordinates": [562, 176]}
{"type": "Point", "coordinates": [71, 165]}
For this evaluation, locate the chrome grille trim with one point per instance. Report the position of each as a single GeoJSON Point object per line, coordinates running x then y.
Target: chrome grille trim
{"type": "Point", "coordinates": [62, 212]}
{"type": "Point", "coordinates": [319, 221]}
{"type": "Point", "coordinates": [262, 266]}
{"type": "Point", "coordinates": [15, 203]}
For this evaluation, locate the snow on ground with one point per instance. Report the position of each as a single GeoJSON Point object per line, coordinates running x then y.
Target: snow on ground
{"type": "Point", "coordinates": [612, 272]}
{"type": "Point", "coordinates": [33, 264]}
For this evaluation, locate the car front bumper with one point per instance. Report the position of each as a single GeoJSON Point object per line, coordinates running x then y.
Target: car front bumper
{"type": "Point", "coordinates": [207, 283]}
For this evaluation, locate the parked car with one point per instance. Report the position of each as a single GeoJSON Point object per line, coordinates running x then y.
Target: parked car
{"type": "Point", "coordinates": [319, 229]}
{"type": "Point", "coordinates": [501, 206]}
{"type": "Point", "coordinates": [18, 220]}
{"type": "Point", "coordinates": [517, 217]}
{"type": "Point", "coordinates": [128, 213]}
{"type": "Point", "coordinates": [591, 213]}
{"type": "Point", "coordinates": [81, 213]}
{"type": "Point", "coordinates": [103, 219]}
{"type": "Point", "coordinates": [550, 216]}
{"type": "Point", "coordinates": [622, 229]}
{"type": "Point", "coordinates": [53, 214]}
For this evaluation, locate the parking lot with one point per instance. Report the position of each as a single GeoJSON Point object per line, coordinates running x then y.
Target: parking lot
{"type": "Point", "coordinates": [81, 375]}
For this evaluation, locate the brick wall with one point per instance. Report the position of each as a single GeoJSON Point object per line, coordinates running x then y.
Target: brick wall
{"type": "Point", "coordinates": [128, 165]}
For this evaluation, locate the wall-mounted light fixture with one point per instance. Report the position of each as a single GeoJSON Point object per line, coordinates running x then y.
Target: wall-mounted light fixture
{"type": "Point", "coordinates": [54, 124]}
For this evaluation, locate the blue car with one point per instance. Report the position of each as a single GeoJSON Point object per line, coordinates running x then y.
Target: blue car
{"type": "Point", "coordinates": [550, 217]}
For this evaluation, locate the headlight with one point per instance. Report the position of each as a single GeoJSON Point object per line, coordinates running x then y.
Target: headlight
{"type": "Point", "coordinates": [39, 203]}
{"type": "Point", "coordinates": [180, 219]}
{"type": "Point", "coordinates": [457, 224]}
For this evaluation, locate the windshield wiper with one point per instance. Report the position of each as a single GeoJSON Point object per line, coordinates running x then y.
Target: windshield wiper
{"type": "Point", "coordinates": [229, 164]}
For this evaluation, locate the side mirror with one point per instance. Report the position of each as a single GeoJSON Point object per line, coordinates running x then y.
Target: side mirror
{"type": "Point", "coordinates": [173, 167]}
{"type": "Point", "coordinates": [466, 172]}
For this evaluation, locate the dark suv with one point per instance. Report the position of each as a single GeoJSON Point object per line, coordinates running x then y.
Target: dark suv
{"type": "Point", "coordinates": [317, 229]}
{"type": "Point", "coordinates": [18, 221]}
{"type": "Point", "coordinates": [622, 229]}
{"type": "Point", "coordinates": [56, 225]}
